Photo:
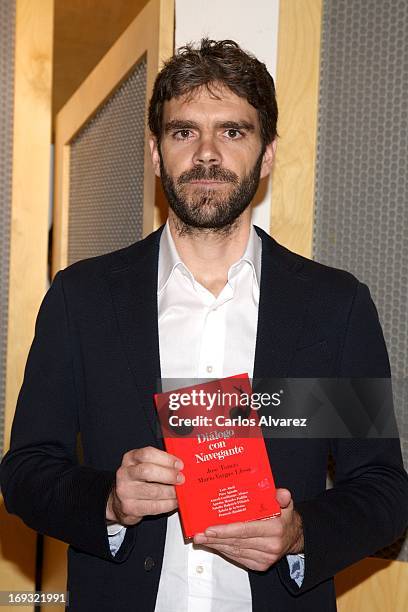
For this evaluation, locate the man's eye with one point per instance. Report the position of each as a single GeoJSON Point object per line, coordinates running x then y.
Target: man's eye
{"type": "Point", "coordinates": [182, 134]}
{"type": "Point", "coordinates": [233, 133]}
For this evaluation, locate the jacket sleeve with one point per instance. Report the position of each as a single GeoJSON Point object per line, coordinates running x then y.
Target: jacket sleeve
{"type": "Point", "coordinates": [41, 479]}
{"type": "Point", "coordinates": [367, 508]}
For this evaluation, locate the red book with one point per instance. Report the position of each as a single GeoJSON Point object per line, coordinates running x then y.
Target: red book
{"type": "Point", "coordinates": [213, 430]}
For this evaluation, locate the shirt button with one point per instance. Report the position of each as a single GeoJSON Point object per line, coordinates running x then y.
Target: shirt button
{"type": "Point", "coordinates": [199, 569]}
{"type": "Point", "coordinates": [149, 564]}
{"type": "Point", "coordinates": [209, 369]}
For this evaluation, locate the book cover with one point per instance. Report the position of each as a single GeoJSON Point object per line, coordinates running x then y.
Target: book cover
{"type": "Point", "coordinates": [212, 428]}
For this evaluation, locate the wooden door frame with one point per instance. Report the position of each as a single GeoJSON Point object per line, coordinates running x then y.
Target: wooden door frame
{"type": "Point", "coordinates": [150, 35]}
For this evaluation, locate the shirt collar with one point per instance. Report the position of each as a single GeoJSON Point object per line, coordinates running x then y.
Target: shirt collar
{"type": "Point", "coordinates": [169, 258]}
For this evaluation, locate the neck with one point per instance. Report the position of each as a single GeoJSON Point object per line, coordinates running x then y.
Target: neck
{"type": "Point", "coordinates": [209, 254]}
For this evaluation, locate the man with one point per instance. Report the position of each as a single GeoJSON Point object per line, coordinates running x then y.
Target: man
{"type": "Point", "coordinates": [207, 295]}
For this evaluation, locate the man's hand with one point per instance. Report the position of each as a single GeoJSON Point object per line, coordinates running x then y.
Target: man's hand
{"type": "Point", "coordinates": [144, 485]}
{"type": "Point", "coordinates": [258, 544]}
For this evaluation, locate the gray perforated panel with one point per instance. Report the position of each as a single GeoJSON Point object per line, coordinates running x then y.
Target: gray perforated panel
{"type": "Point", "coordinates": [7, 18]}
{"type": "Point", "coordinates": [361, 218]}
{"type": "Point", "coordinates": [106, 174]}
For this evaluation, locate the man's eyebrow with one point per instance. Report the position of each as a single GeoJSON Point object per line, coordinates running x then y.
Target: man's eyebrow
{"type": "Point", "coordinates": [236, 125]}
{"type": "Point", "coordinates": [179, 124]}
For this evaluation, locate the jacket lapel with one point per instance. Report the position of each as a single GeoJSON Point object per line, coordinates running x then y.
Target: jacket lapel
{"type": "Point", "coordinates": [133, 282]}
{"type": "Point", "coordinates": [284, 297]}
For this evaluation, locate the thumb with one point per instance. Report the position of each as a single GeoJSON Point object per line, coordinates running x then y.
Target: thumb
{"type": "Point", "coordinates": [283, 497]}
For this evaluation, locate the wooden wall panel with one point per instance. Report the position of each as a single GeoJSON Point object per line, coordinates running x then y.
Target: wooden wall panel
{"type": "Point", "coordinates": [29, 243]}
{"type": "Point", "coordinates": [297, 84]}
{"type": "Point", "coordinates": [373, 585]}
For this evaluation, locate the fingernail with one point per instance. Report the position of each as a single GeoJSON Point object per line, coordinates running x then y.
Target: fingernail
{"type": "Point", "coordinates": [180, 477]}
{"type": "Point", "coordinates": [200, 538]}
{"type": "Point", "coordinates": [210, 532]}
{"type": "Point", "coordinates": [178, 464]}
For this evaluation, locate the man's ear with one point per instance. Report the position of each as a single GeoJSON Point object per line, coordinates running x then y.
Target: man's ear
{"type": "Point", "coordinates": [268, 158]}
{"type": "Point", "coordinates": [154, 152]}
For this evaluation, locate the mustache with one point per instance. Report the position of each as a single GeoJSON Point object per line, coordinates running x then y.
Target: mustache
{"type": "Point", "coordinates": [214, 173]}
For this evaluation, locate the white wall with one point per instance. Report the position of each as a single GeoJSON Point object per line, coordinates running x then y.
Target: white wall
{"type": "Point", "coordinates": [254, 25]}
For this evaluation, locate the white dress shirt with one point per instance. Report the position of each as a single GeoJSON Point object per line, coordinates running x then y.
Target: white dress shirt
{"type": "Point", "coordinates": [203, 336]}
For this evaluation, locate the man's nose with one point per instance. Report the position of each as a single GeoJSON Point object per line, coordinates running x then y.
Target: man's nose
{"type": "Point", "coordinates": [207, 153]}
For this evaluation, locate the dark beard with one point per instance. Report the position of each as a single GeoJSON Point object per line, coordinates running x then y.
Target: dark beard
{"type": "Point", "coordinates": [207, 209]}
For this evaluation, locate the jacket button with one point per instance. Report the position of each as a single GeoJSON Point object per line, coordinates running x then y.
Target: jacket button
{"type": "Point", "coordinates": [149, 564]}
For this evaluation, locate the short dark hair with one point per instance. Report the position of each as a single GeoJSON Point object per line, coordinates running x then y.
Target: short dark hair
{"type": "Point", "coordinates": [216, 61]}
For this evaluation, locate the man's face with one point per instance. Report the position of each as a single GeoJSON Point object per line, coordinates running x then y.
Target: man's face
{"type": "Point", "coordinates": [210, 158]}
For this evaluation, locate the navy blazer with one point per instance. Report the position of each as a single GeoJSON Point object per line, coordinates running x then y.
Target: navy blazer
{"type": "Point", "coordinates": [92, 370]}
